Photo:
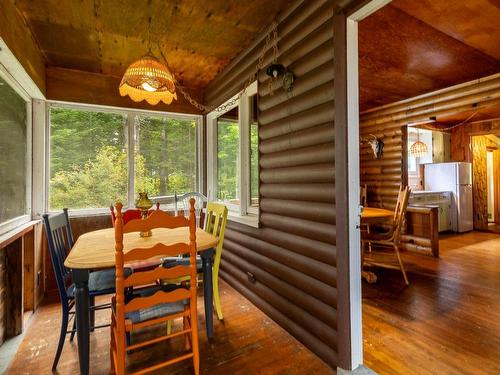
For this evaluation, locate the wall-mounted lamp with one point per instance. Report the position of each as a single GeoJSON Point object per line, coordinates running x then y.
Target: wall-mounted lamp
{"type": "Point", "coordinates": [276, 70]}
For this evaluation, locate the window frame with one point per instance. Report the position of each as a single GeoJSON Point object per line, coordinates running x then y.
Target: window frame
{"type": "Point", "coordinates": [26, 217]}
{"type": "Point", "coordinates": [130, 114]}
{"type": "Point", "coordinates": [243, 212]}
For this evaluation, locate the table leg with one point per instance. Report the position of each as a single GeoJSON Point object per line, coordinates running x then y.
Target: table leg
{"type": "Point", "coordinates": [207, 258]}
{"type": "Point", "coordinates": [81, 281]}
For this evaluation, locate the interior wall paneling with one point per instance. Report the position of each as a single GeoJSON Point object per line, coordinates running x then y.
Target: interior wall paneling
{"type": "Point", "coordinates": [17, 34]}
{"type": "Point", "coordinates": [496, 172]}
{"type": "Point", "coordinates": [18, 254]}
{"type": "Point", "coordinates": [479, 181]}
{"type": "Point", "coordinates": [288, 266]}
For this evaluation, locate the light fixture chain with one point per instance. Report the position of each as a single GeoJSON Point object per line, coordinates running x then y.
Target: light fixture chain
{"type": "Point", "coordinates": [273, 31]}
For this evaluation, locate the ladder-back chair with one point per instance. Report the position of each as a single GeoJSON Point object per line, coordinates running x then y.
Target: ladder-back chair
{"type": "Point", "coordinates": [215, 224]}
{"type": "Point", "coordinates": [390, 239]}
{"type": "Point", "coordinates": [151, 305]}
{"type": "Point", "coordinates": [60, 241]}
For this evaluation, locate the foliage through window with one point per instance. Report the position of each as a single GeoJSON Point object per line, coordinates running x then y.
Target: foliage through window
{"type": "Point", "coordinates": [14, 173]}
{"type": "Point", "coordinates": [233, 155]}
{"type": "Point", "coordinates": [90, 155]}
{"type": "Point", "coordinates": [165, 155]}
{"type": "Point", "coordinates": [228, 140]}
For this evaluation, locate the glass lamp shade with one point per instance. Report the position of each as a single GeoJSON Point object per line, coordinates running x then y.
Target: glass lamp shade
{"type": "Point", "coordinates": [148, 79]}
{"type": "Point", "coordinates": [418, 149]}
{"type": "Point", "coordinates": [143, 203]}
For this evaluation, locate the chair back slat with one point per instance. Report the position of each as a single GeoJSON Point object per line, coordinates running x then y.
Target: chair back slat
{"type": "Point", "coordinates": [60, 242]}
{"type": "Point", "coordinates": [157, 251]}
{"type": "Point", "coordinates": [157, 219]}
{"type": "Point", "coordinates": [159, 273]}
{"type": "Point", "coordinates": [157, 298]}
{"type": "Point", "coordinates": [216, 220]}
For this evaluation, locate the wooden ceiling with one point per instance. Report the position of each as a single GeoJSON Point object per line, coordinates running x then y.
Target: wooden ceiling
{"type": "Point", "coordinates": [409, 47]}
{"type": "Point", "coordinates": [199, 37]}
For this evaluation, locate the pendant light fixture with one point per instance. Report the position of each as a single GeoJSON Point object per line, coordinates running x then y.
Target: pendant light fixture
{"type": "Point", "coordinates": [148, 79]}
{"type": "Point", "coordinates": [418, 149]}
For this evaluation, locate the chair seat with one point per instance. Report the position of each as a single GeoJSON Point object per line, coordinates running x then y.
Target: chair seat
{"type": "Point", "coordinates": [100, 282]}
{"type": "Point", "coordinates": [156, 311]}
{"type": "Point", "coordinates": [180, 261]}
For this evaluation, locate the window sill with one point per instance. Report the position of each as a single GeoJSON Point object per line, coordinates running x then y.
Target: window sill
{"type": "Point", "coordinates": [250, 220]}
{"type": "Point", "coordinates": [12, 235]}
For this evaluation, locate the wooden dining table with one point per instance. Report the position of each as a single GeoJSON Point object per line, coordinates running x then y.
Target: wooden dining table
{"type": "Point", "coordinates": [96, 251]}
{"type": "Point", "coordinates": [373, 215]}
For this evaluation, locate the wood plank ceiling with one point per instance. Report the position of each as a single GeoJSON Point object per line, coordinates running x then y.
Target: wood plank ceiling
{"type": "Point", "coordinates": [411, 47]}
{"type": "Point", "coordinates": [199, 38]}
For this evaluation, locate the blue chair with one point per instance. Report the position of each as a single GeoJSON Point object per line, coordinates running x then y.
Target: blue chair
{"type": "Point", "coordinates": [60, 241]}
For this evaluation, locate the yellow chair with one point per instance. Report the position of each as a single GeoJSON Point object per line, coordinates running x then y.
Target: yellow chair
{"type": "Point", "coordinates": [215, 224]}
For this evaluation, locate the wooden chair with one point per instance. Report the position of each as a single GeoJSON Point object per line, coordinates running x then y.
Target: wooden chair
{"type": "Point", "coordinates": [152, 305]}
{"type": "Point", "coordinates": [391, 238]}
{"type": "Point", "coordinates": [60, 242]}
{"type": "Point", "coordinates": [134, 214]}
{"type": "Point", "coordinates": [182, 204]}
{"type": "Point", "coordinates": [215, 224]}
{"type": "Point", "coordinates": [363, 200]}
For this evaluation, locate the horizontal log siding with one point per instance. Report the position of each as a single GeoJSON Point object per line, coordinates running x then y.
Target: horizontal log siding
{"type": "Point", "coordinates": [287, 267]}
{"type": "Point", "coordinates": [383, 177]}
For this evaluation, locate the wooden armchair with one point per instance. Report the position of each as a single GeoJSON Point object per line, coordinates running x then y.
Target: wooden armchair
{"type": "Point", "coordinates": [389, 239]}
{"type": "Point", "coordinates": [150, 305]}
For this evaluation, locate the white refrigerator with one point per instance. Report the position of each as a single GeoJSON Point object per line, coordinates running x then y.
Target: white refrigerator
{"type": "Point", "coordinates": [457, 178]}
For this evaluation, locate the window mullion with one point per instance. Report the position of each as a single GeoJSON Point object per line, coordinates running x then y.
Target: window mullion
{"type": "Point", "coordinates": [131, 157]}
{"type": "Point", "coordinates": [244, 154]}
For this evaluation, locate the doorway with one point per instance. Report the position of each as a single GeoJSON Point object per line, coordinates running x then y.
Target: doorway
{"type": "Point", "coordinates": [485, 151]}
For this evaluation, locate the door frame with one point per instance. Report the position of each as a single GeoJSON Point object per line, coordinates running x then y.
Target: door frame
{"type": "Point", "coordinates": [347, 177]}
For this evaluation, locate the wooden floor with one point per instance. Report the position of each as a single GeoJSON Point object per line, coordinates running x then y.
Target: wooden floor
{"type": "Point", "coordinates": [247, 342]}
{"type": "Point", "coordinates": [447, 321]}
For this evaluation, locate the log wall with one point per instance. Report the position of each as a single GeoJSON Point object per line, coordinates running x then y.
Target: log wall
{"type": "Point", "coordinates": [287, 267]}
{"type": "Point", "coordinates": [388, 122]}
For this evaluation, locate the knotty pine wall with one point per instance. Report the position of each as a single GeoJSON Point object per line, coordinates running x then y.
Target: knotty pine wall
{"type": "Point", "coordinates": [388, 123]}
{"type": "Point", "coordinates": [292, 256]}
{"type": "Point", "coordinates": [469, 144]}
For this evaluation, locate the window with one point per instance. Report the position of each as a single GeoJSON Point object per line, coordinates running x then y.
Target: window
{"type": "Point", "coordinates": [233, 157]}
{"type": "Point", "coordinates": [15, 148]}
{"type": "Point", "coordinates": [165, 155]}
{"type": "Point", "coordinates": [99, 156]}
{"type": "Point", "coordinates": [228, 160]}
{"type": "Point", "coordinates": [413, 167]}
{"type": "Point", "coordinates": [88, 158]}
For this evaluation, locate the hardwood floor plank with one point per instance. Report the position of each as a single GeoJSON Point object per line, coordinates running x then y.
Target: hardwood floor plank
{"type": "Point", "coordinates": [447, 321]}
